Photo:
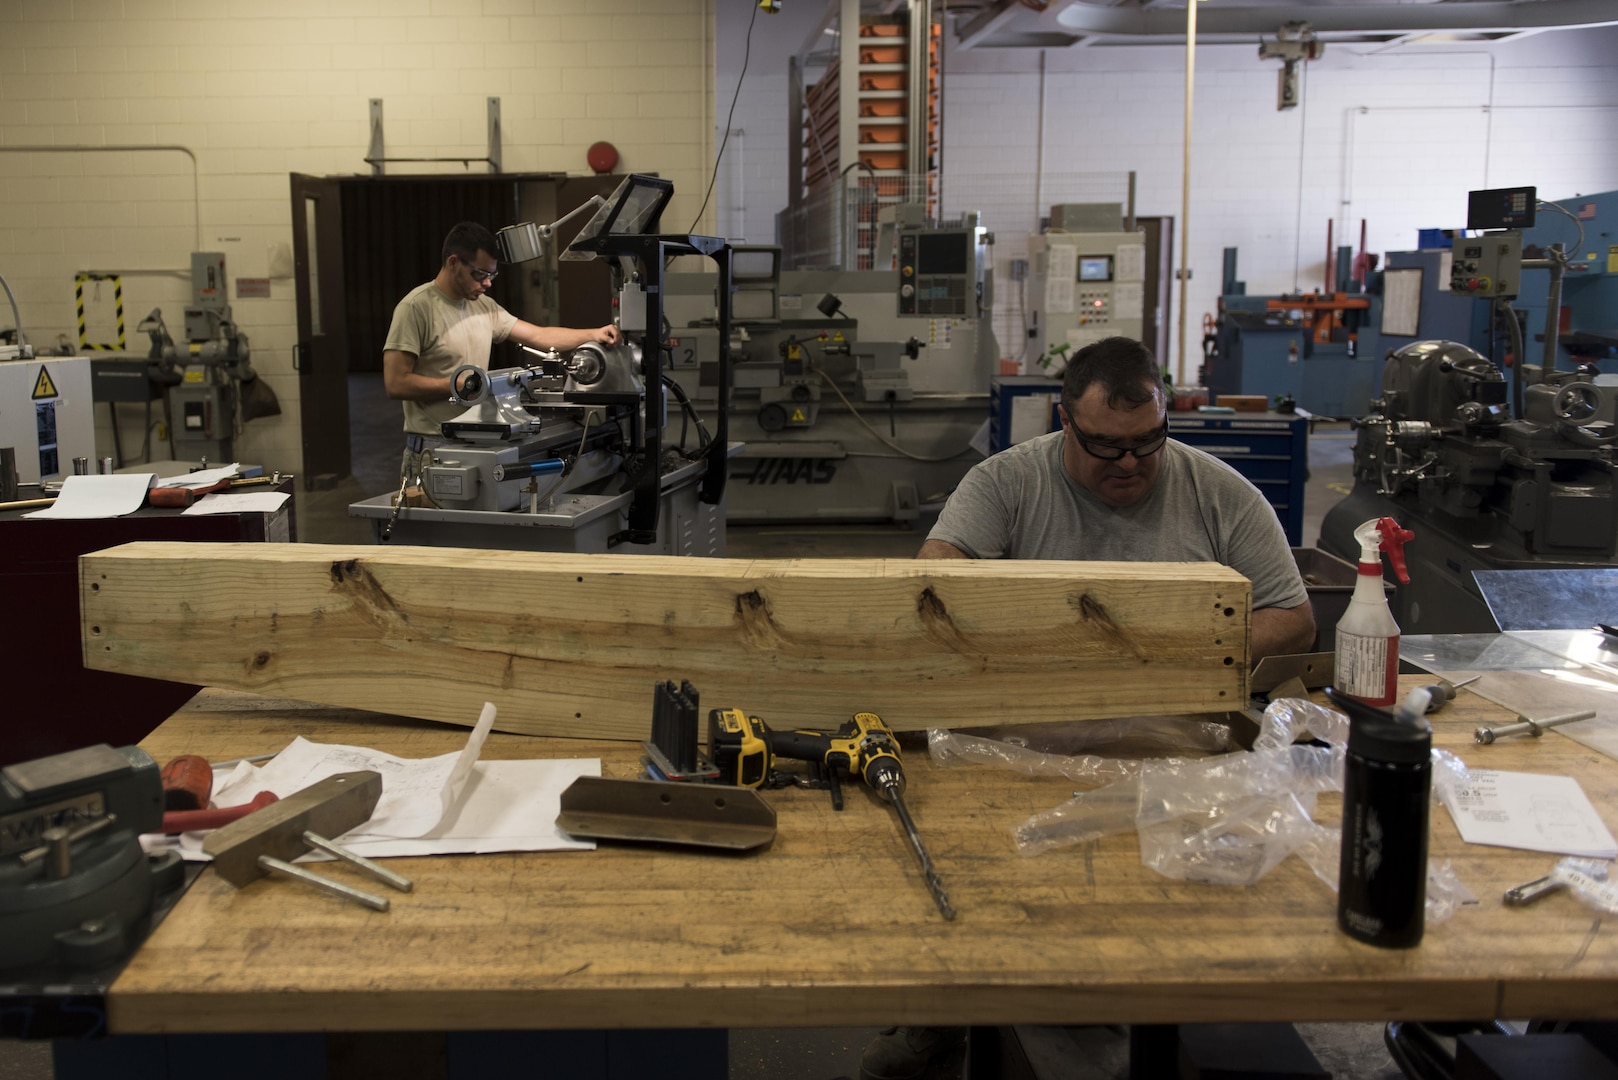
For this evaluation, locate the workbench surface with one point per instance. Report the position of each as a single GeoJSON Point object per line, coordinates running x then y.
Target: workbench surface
{"type": "Point", "coordinates": [833, 926]}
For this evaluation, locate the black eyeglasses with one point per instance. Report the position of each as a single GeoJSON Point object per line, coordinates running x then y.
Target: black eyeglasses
{"type": "Point", "coordinates": [481, 275]}
{"type": "Point", "coordinates": [1144, 447]}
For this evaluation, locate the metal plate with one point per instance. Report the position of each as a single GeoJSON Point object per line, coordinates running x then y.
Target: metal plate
{"type": "Point", "coordinates": [1314, 670]}
{"type": "Point", "coordinates": [703, 815]}
{"type": "Point", "coordinates": [1549, 599]}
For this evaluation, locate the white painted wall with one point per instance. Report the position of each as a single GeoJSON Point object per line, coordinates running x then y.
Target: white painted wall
{"type": "Point", "coordinates": [752, 184]}
{"type": "Point", "coordinates": [1396, 137]}
{"type": "Point", "coordinates": [254, 91]}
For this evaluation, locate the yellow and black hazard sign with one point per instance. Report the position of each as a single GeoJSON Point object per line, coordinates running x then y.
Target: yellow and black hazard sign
{"type": "Point", "coordinates": [118, 310]}
{"type": "Point", "coordinates": [44, 387]}
{"type": "Point", "coordinates": [798, 416]}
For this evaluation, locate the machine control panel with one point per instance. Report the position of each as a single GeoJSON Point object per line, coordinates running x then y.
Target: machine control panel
{"type": "Point", "coordinates": [1487, 266]}
{"type": "Point", "coordinates": [937, 272]}
{"type": "Point", "coordinates": [1093, 307]}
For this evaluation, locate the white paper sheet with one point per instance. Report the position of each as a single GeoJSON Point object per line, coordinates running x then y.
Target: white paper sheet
{"type": "Point", "coordinates": [202, 478]}
{"type": "Point", "coordinates": [100, 496]}
{"type": "Point", "coordinates": [244, 502]}
{"type": "Point", "coordinates": [1062, 263]}
{"type": "Point", "coordinates": [448, 804]}
{"type": "Point", "coordinates": [1030, 416]}
{"type": "Point", "coordinates": [508, 806]}
{"type": "Point", "coordinates": [1058, 296]}
{"type": "Point", "coordinates": [1530, 812]}
{"type": "Point", "coordinates": [1130, 264]}
{"type": "Point", "coordinates": [1128, 299]}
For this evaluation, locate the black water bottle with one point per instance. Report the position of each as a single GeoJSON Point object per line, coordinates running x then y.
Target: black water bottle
{"type": "Point", "coordinates": [1387, 784]}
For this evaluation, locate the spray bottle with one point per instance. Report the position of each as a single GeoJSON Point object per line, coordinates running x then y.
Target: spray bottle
{"type": "Point", "coordinates": [1367, 636]}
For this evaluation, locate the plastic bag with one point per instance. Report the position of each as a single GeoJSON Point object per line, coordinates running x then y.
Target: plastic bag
{"type": "Point", "coordinates": [1056, 749]}
{"type": "Point", "coordinates": [1228, 820]}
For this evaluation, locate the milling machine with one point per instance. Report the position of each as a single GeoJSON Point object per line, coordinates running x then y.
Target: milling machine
{"type": "Point", "coordinates": [858, 392]}
{"type": "Point", "coordinates": [567, 452]}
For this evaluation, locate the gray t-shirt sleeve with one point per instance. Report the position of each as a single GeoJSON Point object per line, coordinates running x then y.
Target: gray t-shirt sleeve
{"type": "Point", "coordinates": [977, 519]}
{"type": "Point", "coordinates": [411, 328]}
{"type": "Point", "coordinates": [501, 321]}
{"type": "Point", "coordinates": [1256, 547]}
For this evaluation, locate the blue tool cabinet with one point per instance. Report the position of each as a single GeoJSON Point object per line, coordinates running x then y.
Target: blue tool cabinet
{"type": "Point", "coordinates": [1270, 449]}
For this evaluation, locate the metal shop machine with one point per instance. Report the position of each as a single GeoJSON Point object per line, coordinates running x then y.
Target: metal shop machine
{"type": "Point", "coordinates": [1587, 326]}
{"type": "Point", "coordinates": [204, 375]}
{"type": "Point", "coordinates": [1491, 472]}
{"type": "Point", "coordinates": [567, 453]}
{"type": "Point", "coordinates": [46, 420]}
{"type": "Point", "coordinates": [1321, 349]}
{"type": "Point", "coordinates": [1086, 281]}
{"type": "Point", "coordinates": [857, 392]}
{"type": "Point", "coordinates": [1420, 305]}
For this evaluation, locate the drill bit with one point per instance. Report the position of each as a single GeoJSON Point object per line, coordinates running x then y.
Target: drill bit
{"type": "Point", "coordinates": [890, 783]}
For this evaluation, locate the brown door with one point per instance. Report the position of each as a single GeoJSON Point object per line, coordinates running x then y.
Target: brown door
{"type": "Point", "coordinates": [321, 354]}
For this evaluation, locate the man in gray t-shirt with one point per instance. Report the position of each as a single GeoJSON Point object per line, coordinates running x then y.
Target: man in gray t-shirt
{"type": "Point", "coordinates": [448, 322]}
{"type": "Point", "coordinates": [1112, 486]}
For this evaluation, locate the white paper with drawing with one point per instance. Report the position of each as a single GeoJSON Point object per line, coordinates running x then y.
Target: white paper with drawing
{"type": "Point", "coordinates": [439, 805]}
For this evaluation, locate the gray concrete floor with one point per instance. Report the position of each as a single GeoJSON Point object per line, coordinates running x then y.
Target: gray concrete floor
{"type": "Point", "coordinates": [1350, 1051]}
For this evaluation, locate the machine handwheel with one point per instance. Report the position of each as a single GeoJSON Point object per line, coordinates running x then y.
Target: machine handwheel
{"type": "Point", "coordinates": [772, 418]}
{"type": "Point", "coordinates": [1576, 403]}
{"type": "Point", "coordinates": [468, 383]}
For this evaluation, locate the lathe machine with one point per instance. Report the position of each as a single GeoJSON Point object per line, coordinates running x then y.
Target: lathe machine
{"type": "Point", "coordinates": [1491, 474]}
{"type": "Point", "coordinates": [857, 393]}
{"type": "Point", "coordinates": [1481, 490]}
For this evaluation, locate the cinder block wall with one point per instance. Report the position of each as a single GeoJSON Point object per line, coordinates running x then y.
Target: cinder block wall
{"type": "Point", "coordinates": [225, 98]}
{"type": "Point", "coordinates": [1393, 136]}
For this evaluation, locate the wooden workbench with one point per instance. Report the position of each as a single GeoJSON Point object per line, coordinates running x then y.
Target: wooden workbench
{"type": "Point", "coordinates": [832, 925]}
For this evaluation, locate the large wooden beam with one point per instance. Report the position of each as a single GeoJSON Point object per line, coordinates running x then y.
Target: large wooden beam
{"type": "Point", "coordinates": [572, 644]}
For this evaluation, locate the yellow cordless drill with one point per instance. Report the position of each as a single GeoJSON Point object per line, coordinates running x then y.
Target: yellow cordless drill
{"type": "Point", "coordinates": [744, 750]}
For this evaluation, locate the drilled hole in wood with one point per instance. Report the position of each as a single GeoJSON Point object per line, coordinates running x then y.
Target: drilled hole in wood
{"type": "Point", "coordinates": [665, 797]}
{"type": "Point", "coordinates": [95, 630]}
{"type": "Point", "coordinates": [95, 586]}
{"type": "Point", "coordinates": [1229, 660]}
{"type": "Point", "coordinates": [719, 803]}
{"type": "Point", "coordinates": [579, 579]}
{"type": "Point", "coordinates": [1229, 612]}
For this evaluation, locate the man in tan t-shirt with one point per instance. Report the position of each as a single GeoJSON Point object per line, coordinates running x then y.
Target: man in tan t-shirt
{"type": "Point", "coordinates": [449, 322]}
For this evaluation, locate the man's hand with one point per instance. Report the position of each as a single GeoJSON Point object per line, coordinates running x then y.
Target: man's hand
{"type": "Point", "coordinates": [607, 335]}
{"type": "Point", "coordinates": [1279, 631]}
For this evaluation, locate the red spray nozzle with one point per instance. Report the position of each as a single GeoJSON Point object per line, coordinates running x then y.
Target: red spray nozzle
{"type": "Point", "coordinates": [1394, 540]}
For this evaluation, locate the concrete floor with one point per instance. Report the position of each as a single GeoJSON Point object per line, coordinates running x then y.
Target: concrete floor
{"type": "Point", "coordinates": [1349, 1051]}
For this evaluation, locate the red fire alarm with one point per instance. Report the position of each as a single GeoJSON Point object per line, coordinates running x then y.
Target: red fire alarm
{"type": "Point", "coordinates": [602, 156]}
